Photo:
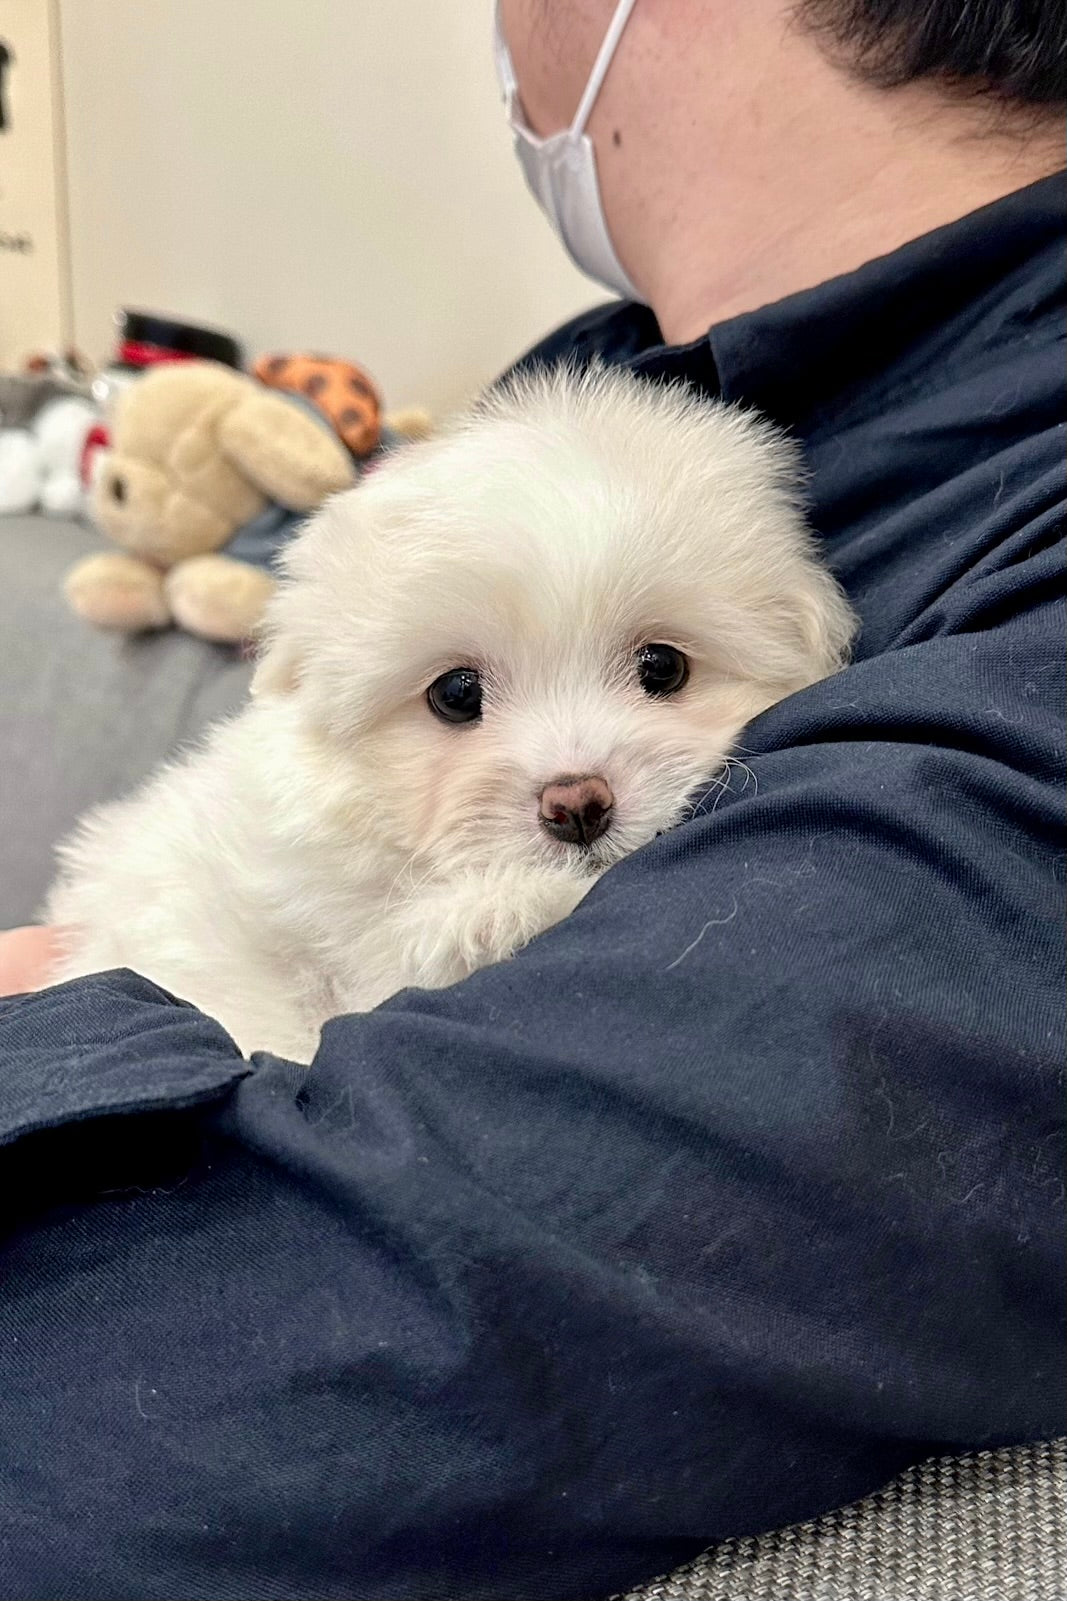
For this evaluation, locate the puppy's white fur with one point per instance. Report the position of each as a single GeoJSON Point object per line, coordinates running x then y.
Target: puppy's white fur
{"type": "Point", "coordinates": [336, 842]}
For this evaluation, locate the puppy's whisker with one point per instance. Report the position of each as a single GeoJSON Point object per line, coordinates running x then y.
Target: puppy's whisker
{"type": "Point", "coordinates": [730, 763]}
{"type": "Point", "coordinates": [413, 886]}
{"type": "Point", "coordinates": [719, 782]}
{"type": "Point", "coordinates": [406, 869]}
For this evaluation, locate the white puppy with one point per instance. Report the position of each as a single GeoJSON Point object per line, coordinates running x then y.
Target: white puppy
{"type": "Point", "coordinates": [510, 657]}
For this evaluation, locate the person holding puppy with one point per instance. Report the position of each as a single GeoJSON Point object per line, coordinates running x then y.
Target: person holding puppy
{"type": "Point", "coordinates": [741, 1189]}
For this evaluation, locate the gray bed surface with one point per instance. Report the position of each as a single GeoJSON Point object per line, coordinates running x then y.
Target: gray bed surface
{"type": "Point", "coordinates": [84, 715]}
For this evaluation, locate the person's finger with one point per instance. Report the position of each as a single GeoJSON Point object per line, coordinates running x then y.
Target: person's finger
{"type": "Point", "coordinates": [26, 957]}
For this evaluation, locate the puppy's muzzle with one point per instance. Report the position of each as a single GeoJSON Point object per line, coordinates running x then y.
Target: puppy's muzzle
{"type": "Point", "coordinates": [576, 811]}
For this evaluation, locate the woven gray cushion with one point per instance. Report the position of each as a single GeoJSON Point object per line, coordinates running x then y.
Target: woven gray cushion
{"type": "Point", "coordinates": [990, 1527]}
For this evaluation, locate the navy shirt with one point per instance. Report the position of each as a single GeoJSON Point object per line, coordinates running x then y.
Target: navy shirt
{"type": "Point", "coordinates": [713, 1208]}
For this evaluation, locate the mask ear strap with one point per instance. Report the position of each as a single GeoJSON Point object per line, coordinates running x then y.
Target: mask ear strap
{"type": "Point", "coordinates": [601, 65]}
{"type": "Point", "coordinates": [504, 70]}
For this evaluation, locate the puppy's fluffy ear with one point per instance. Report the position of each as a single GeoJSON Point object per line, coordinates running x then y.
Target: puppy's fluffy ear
{"type": "Point", "coordinates": [826, 621]}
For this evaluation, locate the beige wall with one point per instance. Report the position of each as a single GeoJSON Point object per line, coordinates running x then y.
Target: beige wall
{"type": "Point", "coordinates": [34, 304]}
{"type": "Point", "coordinates": [324, 174]}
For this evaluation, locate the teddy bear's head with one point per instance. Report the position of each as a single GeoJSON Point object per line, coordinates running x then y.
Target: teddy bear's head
{"type": "Point", "coordinates": [167, 489]}
{"type": "Point", "coordinates": [198, 450]}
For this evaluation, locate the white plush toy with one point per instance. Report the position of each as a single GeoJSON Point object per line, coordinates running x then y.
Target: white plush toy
{"type": "Point", "coordinates": [40, 464]}
{"type": "Point", "coordinates": [20, 476]}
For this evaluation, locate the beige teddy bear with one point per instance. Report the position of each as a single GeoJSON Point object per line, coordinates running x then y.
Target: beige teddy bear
{"type": "Point", "coordinates": [199, 455]}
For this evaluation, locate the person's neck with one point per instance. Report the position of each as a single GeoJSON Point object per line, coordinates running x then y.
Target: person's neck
{"type": "Point", "coordinates": [791, 207]}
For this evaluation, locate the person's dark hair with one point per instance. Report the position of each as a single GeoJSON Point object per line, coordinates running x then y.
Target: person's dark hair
{"type": "Point", "coordinates": [1014, 50]}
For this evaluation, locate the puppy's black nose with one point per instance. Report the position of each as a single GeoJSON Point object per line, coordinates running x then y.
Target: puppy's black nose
{"type": "Point", "coordinates": [118, 489]}
{"type": "Point", "coordinates": [576, 811]}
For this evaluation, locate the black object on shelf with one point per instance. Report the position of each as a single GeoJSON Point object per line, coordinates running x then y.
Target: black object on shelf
{"type": "Point", "coordinates": [146, 337]}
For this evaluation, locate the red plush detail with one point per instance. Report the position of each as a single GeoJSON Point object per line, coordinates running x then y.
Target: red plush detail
{"type": "Point", "coordinates": [96, 439]}
{"type": "Point", "coordinates": [136, 353]}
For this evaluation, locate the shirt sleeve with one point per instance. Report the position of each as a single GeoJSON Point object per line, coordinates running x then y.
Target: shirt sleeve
{"type": "Point", "coordinates": [707, 1212]}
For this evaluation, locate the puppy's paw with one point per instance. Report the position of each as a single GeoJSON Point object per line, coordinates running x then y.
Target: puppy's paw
{"type": "Point", "coordinates": [466, 923]}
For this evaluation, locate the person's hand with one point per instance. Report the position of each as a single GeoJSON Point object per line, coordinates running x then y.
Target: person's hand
{"type": "Point", "coordinates": [27, 955]}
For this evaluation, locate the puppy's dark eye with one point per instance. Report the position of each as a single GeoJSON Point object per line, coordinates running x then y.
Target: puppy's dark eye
{"type": "Point", "coordinates": [661, 669]}
{"type": "Point", "coordinates": [456, 697]}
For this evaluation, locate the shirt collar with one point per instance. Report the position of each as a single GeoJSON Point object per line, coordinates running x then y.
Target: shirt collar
{"type": "Point", "coordinates": [795, 356]}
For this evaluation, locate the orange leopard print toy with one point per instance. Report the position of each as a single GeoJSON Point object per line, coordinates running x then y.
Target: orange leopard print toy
{"type": "Point", "coordinates": [344, 393]}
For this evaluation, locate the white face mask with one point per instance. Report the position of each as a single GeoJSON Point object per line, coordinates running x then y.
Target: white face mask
{"type": "Point", "coordinates": [561, 170]}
